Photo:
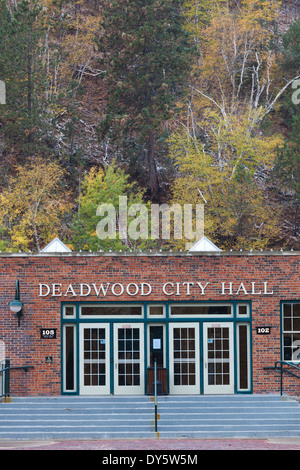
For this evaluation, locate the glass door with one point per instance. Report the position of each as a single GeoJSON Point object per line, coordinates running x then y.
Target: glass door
{"type": "Point", "coordinates": [184, 358]}
{"type": "Point", "coordinates": [94, 359]}
{"type": "Point", "coordinates": [218, 358]}
{"type": "Point", "coordinates": [129, 376]}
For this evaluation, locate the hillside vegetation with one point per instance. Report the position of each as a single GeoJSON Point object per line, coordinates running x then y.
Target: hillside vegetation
{"type": "Point", "coordinates": [162, 101]}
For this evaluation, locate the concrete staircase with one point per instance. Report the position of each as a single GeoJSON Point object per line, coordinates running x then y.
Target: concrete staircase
{"type": "Point", "coordinates": [248, 416]}
{"type": "Point", "coordinates": [78, 417]}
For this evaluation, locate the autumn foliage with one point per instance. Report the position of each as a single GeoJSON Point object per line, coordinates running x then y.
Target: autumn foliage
{"type": "Point", "coordinates": [166, 101]}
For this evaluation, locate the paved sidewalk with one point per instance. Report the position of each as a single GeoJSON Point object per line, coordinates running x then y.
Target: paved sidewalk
{"type": "Point", "coordinates": [155, 444]}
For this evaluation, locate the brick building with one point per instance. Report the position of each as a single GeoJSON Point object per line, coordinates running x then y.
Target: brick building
{"type": "Point", "coordinates": [93, 323]}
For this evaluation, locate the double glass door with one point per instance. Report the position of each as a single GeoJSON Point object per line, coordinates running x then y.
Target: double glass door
{"type": "Point", "coordinates": [218, 360]}
{"type": "Point", "coordinates": [97, 363]}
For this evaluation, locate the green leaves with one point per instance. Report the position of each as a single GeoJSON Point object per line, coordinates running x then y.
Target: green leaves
{"type": "Point", "coordinates": [147, 54]}
{"type": "Point", "coordinates": [103, 189]}
{"type": "Point", "coordinates": [291, 49]}
{"type": "Point", "coordinates": [21, 67]}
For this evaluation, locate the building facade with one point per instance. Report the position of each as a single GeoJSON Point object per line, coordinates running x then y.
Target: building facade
{"type": "Point", "coordinates": [215, 323]}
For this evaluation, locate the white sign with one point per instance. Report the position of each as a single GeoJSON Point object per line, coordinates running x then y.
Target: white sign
{"type": "Point", "coordinates": [156, 343]}
{"type": "Point", "coordinates": [144, 289]}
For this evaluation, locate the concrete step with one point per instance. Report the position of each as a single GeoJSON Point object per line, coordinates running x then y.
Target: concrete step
{"type": "Point", "coordinates": [79, 417]}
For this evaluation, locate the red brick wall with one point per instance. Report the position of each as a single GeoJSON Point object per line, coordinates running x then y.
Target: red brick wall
{"type": "Point", "coordinates": [24, 346]}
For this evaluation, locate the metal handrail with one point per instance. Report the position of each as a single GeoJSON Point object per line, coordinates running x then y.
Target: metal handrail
{"type": "Point", "coordinates": [6, 374]}
{"type": "Point", "coordinates": [155, 394]}
{"type": "Point", "coordinates": [281, 370]}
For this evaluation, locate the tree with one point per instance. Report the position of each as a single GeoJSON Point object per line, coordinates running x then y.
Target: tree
{"type": "Point", "coordinates": [71, 72]}
{"type": "Point", "coordinates": [287, 162]}
{"type": "Point", "coordinates": [24, 119]}
{"type": "Point", "coordinates": [236, 213]}
{"type": "Point", "coordinates": [32, 207]}
{"type": "Point", "coordinates": [222, 145]}
{"type": "Point", "coordinates": [287, 172]}
{"type": "Point", "coordinates": [146, 56]}
{"type": "Point", "coordinates": [290, 59]}
{"type": "Point", "coordinates": [47, 50]}
{"type": "Point", "coordinates": [103, 188]}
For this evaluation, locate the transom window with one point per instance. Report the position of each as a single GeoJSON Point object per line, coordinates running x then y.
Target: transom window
{"type": "Point", "coordinates": [111, 310]}
{"type": "Point", "coordinates": [204, 310]}
{"type": "Point", "coordinates": [155, 310]}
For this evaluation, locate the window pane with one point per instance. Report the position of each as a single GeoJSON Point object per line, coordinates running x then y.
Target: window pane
{"type": "Point", "coordinates": [156, 310]}
{"type": "Point", "coordinates": [287, 310]}
{"type": "Point", "coordinates": [296, 317]}
{"type": "Point", "coordinates": [69, 357]}
{"type": "Point", "coordinates": [243, 356]}
{"type": "Point", "coordinates": [287, 324]}
{"type": "Point", "coordinates": [287, 317]}
{"type": "Point", "coordinates": [69, 311]}
{"type": "Point", "coordinates": [291, 347]}
{"type": "Point", "coordinates": [291, 317]}
{"type": "Point", "coordinates": [242, 309]}
{"type": "Point", "coordinates": [287, 347]}
{"type": "Point", "coordinates": [296, 324]}
{"type": "Point", "coordinates": [205, 310]}
{"type": "Point", "coordinates": [109, 310]}
{"type": "Point", "coordinates": [296, 310]}
{"type": "Point", "coordinates": [296, 347]}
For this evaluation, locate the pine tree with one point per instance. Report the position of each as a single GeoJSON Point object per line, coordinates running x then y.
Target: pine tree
{"type": "Point", "coordinates": [23, 117]}
{"type": "Point", "coordinates": [146, 54]}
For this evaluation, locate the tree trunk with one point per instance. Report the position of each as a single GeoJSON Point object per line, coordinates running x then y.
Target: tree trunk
{"type": "Point", "coordinates": [36, 238]}
{"type": "Point", "coordinates": [29, 86]}
{"type": "Point", "coordinates": [153, 179]}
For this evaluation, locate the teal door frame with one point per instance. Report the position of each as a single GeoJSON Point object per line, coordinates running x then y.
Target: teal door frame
{"type": "Point", "coordinates": [166, 320]}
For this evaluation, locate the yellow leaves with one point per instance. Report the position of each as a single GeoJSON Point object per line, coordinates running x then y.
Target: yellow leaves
{"type": "Point", "coordinates": [197, 14]}
{"type": "Point", "coordinates": [79, 51]}
{"type": "Point", "coordinates": [266, 147]}
{"type": "Point", "coordinates": [221, 145]}
{"type": "Point", "coordinates": [219, 173]}
{"type": "Point", "coordinates": [89, 179]}
{"type": "Point", "coordinates": [236, 213]}
{"type": "Point", "coordinates": [70, 42]}
{"type": "Point", "coordinates": [247, 15]}
{"type": "Point", "coordinates": [233, 46]}
{"type": "Point", "coordinates": [33, 204]}
{"type": "Point", "coordinates": [260, 11]}
{"type": "Point", "coordinates": [189, 155]}
{"type": "Point", "coordinates": [231, 93]}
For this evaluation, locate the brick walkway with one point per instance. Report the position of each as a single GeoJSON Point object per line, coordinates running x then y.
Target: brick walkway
{"type": "Point", "coordinates": [156, 444]}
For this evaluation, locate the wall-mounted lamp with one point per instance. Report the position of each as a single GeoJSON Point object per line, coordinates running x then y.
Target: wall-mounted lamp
{"type": "Point", "coordinates": [16, 305]}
